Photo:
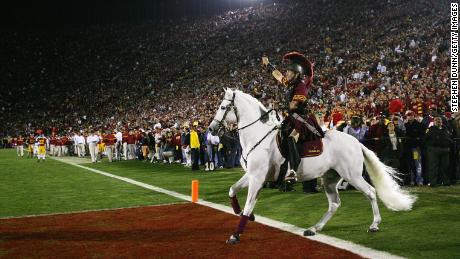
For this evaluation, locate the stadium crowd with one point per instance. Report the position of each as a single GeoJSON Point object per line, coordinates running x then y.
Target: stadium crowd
{"type": "Point", "coordinates": [381, 75]}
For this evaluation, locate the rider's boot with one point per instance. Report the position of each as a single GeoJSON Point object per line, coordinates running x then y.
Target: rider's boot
{"type": "Point", "coordinates": [294, 160]}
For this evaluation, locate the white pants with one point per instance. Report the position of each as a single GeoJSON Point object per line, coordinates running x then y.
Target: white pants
{"type": "Point", "coordinates": [20, 150]}
{"type": "Point", "coordinates": [52, 147]}
{"type": "Point", "coordinates": [75, 149]}
{"type": "Point", "coordinates": [81, 150]}
{"type": "Point", "coordinates": [57, 150]}
{"type": "Point", "coordinates": [188, 156]}
{"type": "Point", "coordinates": [109, 152]}
{"type": "Point", "coordinates": [157, 151]}
{"type": "Point", "coordinates": [118, 150]}
{"type": "Point", "coordinates": [64, 150]}
{"type": "Point", "coordinates": [93, 151]}
{"type": "Point", "coordinates": [169, 155]}
{"type": "Point", "coordinates": [131, 151]}
{"type": "Point", "coordinates": [125, 150]}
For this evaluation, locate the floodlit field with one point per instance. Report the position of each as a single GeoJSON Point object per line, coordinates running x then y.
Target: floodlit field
{"type": "Point", "coordinates": [30, 188]}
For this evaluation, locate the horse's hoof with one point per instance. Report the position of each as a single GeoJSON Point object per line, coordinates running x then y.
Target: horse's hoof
{"type": "Point", "coordinates": [309, 233]}
{"type": "Point", "coordinates": [234, 239]}
{"type": "Point", "coordinates": [373, 230]}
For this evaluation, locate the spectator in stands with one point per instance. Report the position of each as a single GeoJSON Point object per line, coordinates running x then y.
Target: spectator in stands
{"type": "Point", "coordinates": [357, 128]}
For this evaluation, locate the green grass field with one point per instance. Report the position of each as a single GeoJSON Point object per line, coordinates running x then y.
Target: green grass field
{"type": "Point", "coordinates": [430, 230]}
{"type": "Point", "coordinates": [30, 188]}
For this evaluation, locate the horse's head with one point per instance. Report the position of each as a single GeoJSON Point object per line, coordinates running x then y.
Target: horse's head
{"type": "Point", "coordinates": [226, 113]}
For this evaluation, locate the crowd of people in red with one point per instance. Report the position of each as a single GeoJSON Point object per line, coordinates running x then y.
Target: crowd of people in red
{"type": "Point", "coordinates": [371, 59]}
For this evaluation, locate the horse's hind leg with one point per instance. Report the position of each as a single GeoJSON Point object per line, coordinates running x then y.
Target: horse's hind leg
{"type": "Point", "coordinates": [369, 191]}
{"type": "Point", "coordinates": [330, 181]}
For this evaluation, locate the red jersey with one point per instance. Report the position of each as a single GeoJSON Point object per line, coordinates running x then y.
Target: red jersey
{"type": "Point", "coordinates": [131, 139]}
{"type": "Point", "coordinates": [20, 141]}
{"type": "Point", "coordinates": [53, 141]}
{"type": "Point", "coordinates": [300, 92]}
{"type": "Point", "coordinates": [177, 140]}
{"type": "Point", "coordinates": [31, 140]}
{"type": "Point", "coordinates": [109, 139]}
{"type": "Point", "coordinates": [125, 137]}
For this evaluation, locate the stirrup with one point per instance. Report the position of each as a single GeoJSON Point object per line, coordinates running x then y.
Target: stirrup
{"type": "Point", "coordinates": [291, 176]}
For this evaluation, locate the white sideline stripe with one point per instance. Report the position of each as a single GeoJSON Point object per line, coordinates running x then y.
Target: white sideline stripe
{"type": "Point", "coordinates": [332, 241]}
{"type": "Point", "coordinates": [93, 210]}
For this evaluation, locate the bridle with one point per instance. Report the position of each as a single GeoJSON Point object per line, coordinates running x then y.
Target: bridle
{"type": "Point", "coordinates": [227, 108]}
{"type": "Point", "coordinates": [231, 106]}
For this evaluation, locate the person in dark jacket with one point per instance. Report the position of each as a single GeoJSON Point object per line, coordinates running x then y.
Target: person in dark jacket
{"type": "Point", "coordinates": [455, 152]}
{"type": "Point", "coordinates": [373, 138]}
{"type": "Point", "coordinates": [438, 141]}
{"type": "Point", "coordinates": [412, 150]}
{"type": "Point", "coordinates": [144, 143]}
{"type": "Point", "coordinates": [230, 142]}
{"type": "Point", "coordinates": [392, 146]}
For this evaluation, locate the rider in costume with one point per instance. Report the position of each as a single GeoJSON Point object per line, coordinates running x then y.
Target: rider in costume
{"type": "Point", "coordinates": [299, 123]}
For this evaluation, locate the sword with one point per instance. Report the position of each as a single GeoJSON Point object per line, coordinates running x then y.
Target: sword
{"type": "Point", "coordinates": [309, 126]}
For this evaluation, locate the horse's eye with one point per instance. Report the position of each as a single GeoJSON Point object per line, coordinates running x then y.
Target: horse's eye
{"type": "Point", "coordinates": [223, 107]}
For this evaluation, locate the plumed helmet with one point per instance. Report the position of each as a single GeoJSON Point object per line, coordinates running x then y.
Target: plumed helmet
{"type": "Point", "coordinates": [299, 63]}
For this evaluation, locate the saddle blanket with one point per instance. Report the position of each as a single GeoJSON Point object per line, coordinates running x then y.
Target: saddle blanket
{"type": "Point", "coordinates": [309, 148]}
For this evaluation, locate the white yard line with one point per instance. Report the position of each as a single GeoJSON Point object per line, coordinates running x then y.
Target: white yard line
{"type": "Point", "coordinates": [336, 242]}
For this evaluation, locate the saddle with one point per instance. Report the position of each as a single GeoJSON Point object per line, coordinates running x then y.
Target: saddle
{"type": "Point", "coordinates": [310, 142]}
{"type": "Point", "coordinates": [306, 148]}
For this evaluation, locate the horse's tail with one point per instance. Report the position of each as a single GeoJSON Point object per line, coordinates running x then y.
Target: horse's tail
{"type": "Point", "coordinates": [384, 179]}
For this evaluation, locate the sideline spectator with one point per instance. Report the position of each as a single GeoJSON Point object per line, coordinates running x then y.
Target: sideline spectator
{"type": "Point", "coordinates": [438, 141]}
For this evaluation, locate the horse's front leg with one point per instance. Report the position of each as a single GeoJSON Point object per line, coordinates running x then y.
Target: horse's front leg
{"type": "Point", "coordinates": [255, 186]}
{"type": "Point", "coordinates": [234, 189]}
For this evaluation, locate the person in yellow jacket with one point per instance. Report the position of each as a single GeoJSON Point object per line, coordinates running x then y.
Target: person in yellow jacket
{"type": "Point", "coordinates": [41, 140]}
{"type": "Point", "coordinates": [195, 146]}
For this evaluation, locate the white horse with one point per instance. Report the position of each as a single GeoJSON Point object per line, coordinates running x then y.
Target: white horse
{"type": "Point", "coordinates": [343, 157]}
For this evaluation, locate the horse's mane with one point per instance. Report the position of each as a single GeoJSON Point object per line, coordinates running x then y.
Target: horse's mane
{"type": "Point", "coordinates": [252, 99]}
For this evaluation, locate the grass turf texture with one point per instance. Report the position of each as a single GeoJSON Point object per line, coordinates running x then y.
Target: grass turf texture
{"type": "Point", "coordinates": [30, 188]}
{"type": "Point", "coordinates": [430, 230]}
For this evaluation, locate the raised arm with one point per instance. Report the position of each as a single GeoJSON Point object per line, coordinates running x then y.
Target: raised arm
{"type": "Point", "coordinates": [275, 72]}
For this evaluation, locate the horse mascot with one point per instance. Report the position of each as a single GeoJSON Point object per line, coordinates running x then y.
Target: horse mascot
{"type": "Point", "coordinates": [343, 157]}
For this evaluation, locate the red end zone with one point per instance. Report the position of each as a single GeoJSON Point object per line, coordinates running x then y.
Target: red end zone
{"type": "Point", "coordinates": [182, 230]}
